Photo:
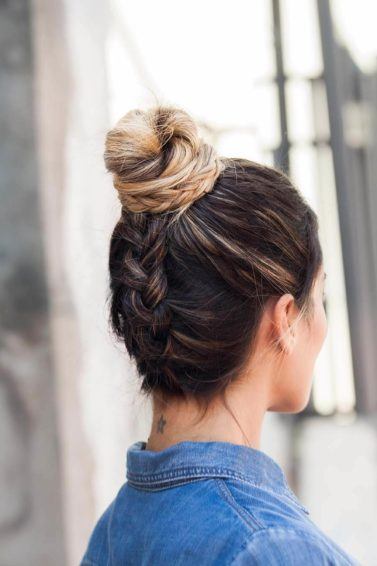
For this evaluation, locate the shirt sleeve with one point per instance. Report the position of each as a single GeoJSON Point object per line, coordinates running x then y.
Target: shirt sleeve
{"type": "Point", "coordinates": [279, 546]}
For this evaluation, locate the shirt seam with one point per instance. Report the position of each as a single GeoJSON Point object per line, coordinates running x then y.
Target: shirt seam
{"type": "Point", "coordinates": [110, 550]}
{"type": "Point", "coordinates": [191, 470]}
{"type": "Point", "coordinates": [199, 471]}
{"type": "Point", "coordinates": [284, 493]}
{"type": "Point", "coordinates": [297, 532]}
{"type": "Point", "coordinates": [243, 513]}
{"type": "Point", "coordinates": [166, 485]}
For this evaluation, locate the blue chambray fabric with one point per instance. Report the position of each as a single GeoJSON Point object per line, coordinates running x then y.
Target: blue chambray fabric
{"type": "Point", "coordinates": [200, 503]}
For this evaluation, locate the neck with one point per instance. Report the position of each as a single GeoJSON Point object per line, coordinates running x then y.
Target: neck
{"type": "Point", "coordinates": [236, 418]}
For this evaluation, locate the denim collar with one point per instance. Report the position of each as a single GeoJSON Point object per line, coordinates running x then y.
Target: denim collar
{"type": "Point", "coordinates": [192, 460]}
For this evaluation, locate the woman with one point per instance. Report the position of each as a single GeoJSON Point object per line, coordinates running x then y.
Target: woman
{"type": "Point", "coordinates": [217, 284]}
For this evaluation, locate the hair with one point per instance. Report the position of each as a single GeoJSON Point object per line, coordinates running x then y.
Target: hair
{"type": "Point", "coordinates": [203, 242]}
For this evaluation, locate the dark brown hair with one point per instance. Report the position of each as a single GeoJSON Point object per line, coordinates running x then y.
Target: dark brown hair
{"type": "Point", "coordinates": [202, 243]}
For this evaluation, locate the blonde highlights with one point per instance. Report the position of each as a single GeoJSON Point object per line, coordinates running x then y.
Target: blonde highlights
{"type": "Point", "coordinates": [159, 162]}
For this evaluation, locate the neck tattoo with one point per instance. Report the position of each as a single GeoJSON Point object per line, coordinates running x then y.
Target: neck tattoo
{"type": "Point", "coordinates": [161, 423]}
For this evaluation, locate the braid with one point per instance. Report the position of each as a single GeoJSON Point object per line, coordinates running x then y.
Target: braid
{"type": "Point", "coordinates": [140, 312]}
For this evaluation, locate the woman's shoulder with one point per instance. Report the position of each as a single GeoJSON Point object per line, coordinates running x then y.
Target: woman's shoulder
{"type": "Point", "coordinates": [278, 545]}
{"type": "Point", "coordinates": [245, 523]}
{"type": "Point", "coordinates": [97, 547]}
{"type": "Point", "coordinates": [283, 531]}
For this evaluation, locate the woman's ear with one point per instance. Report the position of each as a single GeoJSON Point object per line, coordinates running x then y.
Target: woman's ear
{"type": "Point", "coordinates": [284, 314]}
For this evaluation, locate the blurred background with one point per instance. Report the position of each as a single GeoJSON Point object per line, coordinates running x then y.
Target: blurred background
{"type": "Point", "coordinates": [291, 83]}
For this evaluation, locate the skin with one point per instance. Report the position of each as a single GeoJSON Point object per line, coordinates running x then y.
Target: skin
{"type": "Point", "coordinates": [278, 377]}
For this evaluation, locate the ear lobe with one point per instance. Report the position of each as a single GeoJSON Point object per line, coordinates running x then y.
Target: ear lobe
{"type": "Point", "coordinates": [292, 340]}
{"type": "Point", "coordinates": [283, 328]}
{"type": "Point", "coordinates": [287, 341]}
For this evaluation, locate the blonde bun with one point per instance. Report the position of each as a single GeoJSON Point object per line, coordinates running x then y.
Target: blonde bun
{"type": "Point", "coordinates": [158, 161]}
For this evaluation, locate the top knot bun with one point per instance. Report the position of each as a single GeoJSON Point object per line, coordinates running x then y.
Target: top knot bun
{"type": "Point", "coordinates": [158, 160]}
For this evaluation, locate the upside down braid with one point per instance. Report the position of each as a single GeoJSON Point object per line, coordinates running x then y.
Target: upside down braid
{"type": "Point", "coordinates": [140, 312]}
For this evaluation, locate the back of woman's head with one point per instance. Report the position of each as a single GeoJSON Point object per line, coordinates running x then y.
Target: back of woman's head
{"type": "Point", "coordinates": [202, 244]}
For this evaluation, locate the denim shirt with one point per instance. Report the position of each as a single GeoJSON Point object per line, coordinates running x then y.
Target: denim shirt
{"type": "Point", "coordinates": [198, 503]}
